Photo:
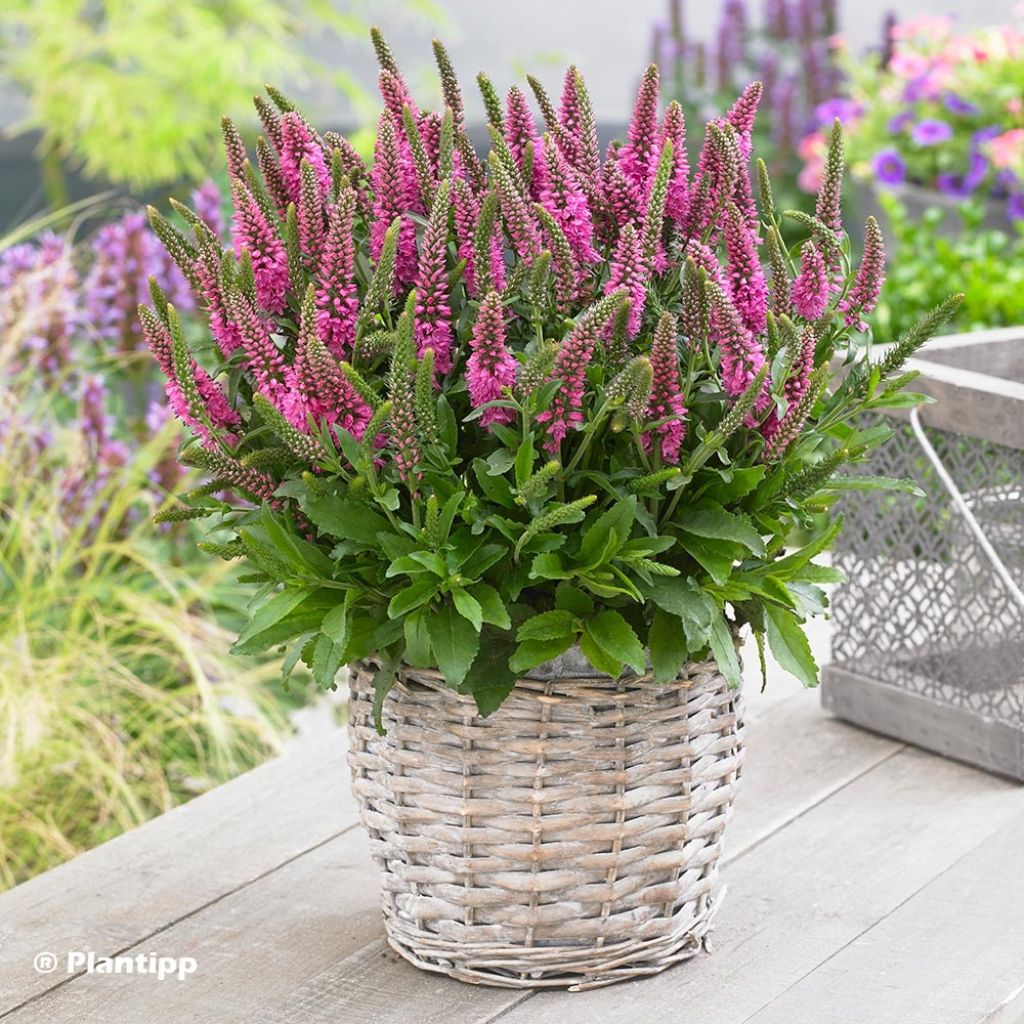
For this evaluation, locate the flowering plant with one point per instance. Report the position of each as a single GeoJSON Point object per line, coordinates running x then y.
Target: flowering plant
{"type": "Point", "coordinates": [944, 110]}
{"type": "Point", "coordinates": [793, 48]}
{"type": "Point", "coordinates": [478, 411]}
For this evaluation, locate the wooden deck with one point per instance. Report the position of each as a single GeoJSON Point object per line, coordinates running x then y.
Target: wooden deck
{"type": "Point", "coordinates": [869, 883]}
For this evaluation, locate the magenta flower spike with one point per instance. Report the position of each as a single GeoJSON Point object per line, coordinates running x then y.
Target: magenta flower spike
{"type": "Point", "coordinates": [741, 353]}
{"type": "Point", "coordinates": [433, 328]}
{"type": "Point", "coordinates": [797, 382]}
{"type": "Point", "coordinates": [570, 115]}
{"type": "Point", "coordinates": [218, 409]}
{"type": "Point", "coordinates": [337, 298]}
{"type": "Point", "coordinates": [491, 368]}
{"type": "Point", "coordinates": [673, 130]}
{"type": "Point", "coordinates": [666, 401]}
{"type": "Point", "coordinates": [264, 359]}
{"type": "Point", "coordinates": [521, 135]}
{"type": "Point", "coordinates": [466, 207]}
{"type": "Point", "coordinates": [396, 96]}
{"type": "Point", "coordinates": [746, 277]}
{"type": "Point", "coordinates": [564, 199]}
{"type": "Point", "coordinates": [311, 214]}
{"type": "Point", "coordinates": [867, 285]}
{"type": "Point", "coordinates": [317, 386]}
{"type": "Point", "coordinates": [811, 287]}
{"type": "Point", "coordinates": [222, 325]}
{"type": "Point", "coordinates": [743, 114]}
{"type": "Point", "coordinates": [828, 206]}
{"type": "Point", "coordinates": [629, 271]}
{"type": "Point", "coordinates": [620, 194]}
{"type": "Point", "coordinates": [251, 232]}
{"type": "Point", "coordinates": [391, 199]}
{"type": "Point", "coordinates": [520, 222]}
{"type": "Point", "coordinates": [299, 143]}
{"type": "Point", "coordinates": [571, 362]}
{"type": "Point", "coordinates": [639, 156]}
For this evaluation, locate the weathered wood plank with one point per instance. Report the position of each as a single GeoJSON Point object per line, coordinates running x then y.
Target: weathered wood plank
{"type": "Point", "coordinates": [952, 954]}
{"type": "Point", "coordinates": [118, 894]}
{"type": "Point", "coordinates": [303, 944]}
{"type": "Point", "coordinates": [813, 887]}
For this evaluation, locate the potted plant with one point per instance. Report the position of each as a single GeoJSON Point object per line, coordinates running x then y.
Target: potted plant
{"type": "Point", "coordinates": [521, 440]}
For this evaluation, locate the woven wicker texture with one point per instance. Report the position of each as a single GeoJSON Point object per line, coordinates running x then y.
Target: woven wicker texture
{"type": "Point", "coordinates": [571, 839]}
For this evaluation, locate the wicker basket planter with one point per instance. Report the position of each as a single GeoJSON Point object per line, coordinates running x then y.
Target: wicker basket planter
{"type": "Point", "coordinates": [571, 839]}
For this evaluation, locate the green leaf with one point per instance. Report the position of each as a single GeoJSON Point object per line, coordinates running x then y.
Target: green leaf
{"type": "Point", "coordinates": [789, 645]}
{"type": "Point", "coordinates": [572, 599]}
{"type": "Point", "coordinates": [598, 543]}
{"type": "Point", "coordinates": [285, 615]}
{"type": "Point", "coordinates": [336, 625]}
{"type": "Point", "coordinates": [615, 636]}
{"type": "Point", "coordinates": [416, 564]}
{"type": "Point", "coordinates": [741, 482]}
{"type": "Point", "coordinates": [685, 599]}
{"type": "Point", "coordinates": [547, 626]}
{"type": "Point", "coordinates": [455, 642]}
{"type": "Point", "coordinates": [548, 566]}
{"type": "Point", "coordinates": [531, 653]}
{"type": "Point", "coordinates": [598, 656]}
{"type": "Point", "coordinates": [412, 597]}
{"type": "Point", "coordinates": [667, 642]}
{"type": "Point", "coordinates": [417, 639]}
{"type": "Point", "coordinates": [345, 520]}
{"type": "Point", "coordinates": [492, 608]}
{"type": "Point", "coordinates": [497, 488]}
{"type": "Point", "coordinates": [490, 679]}
{"type": "Point", "coordinates": [716, 524]}
{"type": "Point", "coordinates": [326, 662]}
{"type": "Point", "coordinates": [468, 607]}
{"type": "Point", "coordinates": [717, 557]}
{"type": "Point", "coordinates": [524, 461]}
{"type": "Point", "coordinates": [723, 648]}
{"type": "Point", "coordinates": [383, 680]}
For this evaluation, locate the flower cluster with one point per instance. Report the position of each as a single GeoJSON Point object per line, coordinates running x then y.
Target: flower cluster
{"type": "Point", "coordinates": [428, 371]}
{"type": "Point", "coordinates": [792, 46]}
{"type": "Point", "coordinates": [942, 109]}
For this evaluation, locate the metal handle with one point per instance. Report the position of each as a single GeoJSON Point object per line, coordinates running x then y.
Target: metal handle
{"type": "Point", "coordinates": [960, 504]}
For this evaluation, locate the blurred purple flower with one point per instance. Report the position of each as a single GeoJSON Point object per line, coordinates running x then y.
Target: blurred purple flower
{"type": "Point", "coordinates": [953, 185]}
{"type": "Point", "coordinates": [899, 123]}
{"type": "Point", "coordinates": [931, 131]}
{"type": "Point", "coordinates": [956, 104]}
{"type": "Point", "coordinates": [846, 110]}
{"type": "Point", "coordinates": [889, 167]}
{"type": "Point", "coordinates": [990, 131]}
{"type": "Point", "coordinates": [1015, 206]}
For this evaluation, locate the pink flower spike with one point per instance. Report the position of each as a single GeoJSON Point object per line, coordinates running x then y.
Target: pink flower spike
{"type": "Point", "coordinates": [390, 200]}
{"type": "Point", "coordinates": [299, 143]}
{"type": "Point", "coordinates": [521, 134]}
{"type": "Point", "coordinates": [628, 271]}
{"type": "Point", "coordinates": [666, 392]}
{"type": "Point", "coordinates": [564, 199]}
{"type": "Point", "coordinates": [743, 112]}
{"type": "Point", "coordinates": [741, 354]}
{"type": "Point", "coordinates": [640, 154]}
{"type": "Point", "coordinates": [673, 130]}
{"type": "Point", "coordinates": [337, 298]}
{"type": "Point", "coordinates": [223, 328]}
{"type": "Point", "coordinates": [574, 355]}
{"type": "Point", "coordinates": [433, 327]}
{"type": "Point", "coordinates": [252, 232]}
{"type": "Point", "coordinates": [867, 285]}
{"type": "Point", "coordinates": [491, 368]}
{"type": "Point", "coordinates": [746, 278]}
{"type": "Point", "coordinates": [811, 287]}
{"type": "Point", "coordinates": [265, 360]}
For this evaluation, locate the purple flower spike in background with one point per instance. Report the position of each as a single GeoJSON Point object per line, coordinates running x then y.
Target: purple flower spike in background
{"type": "Point", "coordinates": [889, 167]}
{"type": "Point", "coordinates": [1015, 206]}
{"type": "Point", "coordinates": [898, 124]}
{"type": "Point", "coordinates": [841, 108]}
{"type": "Point", "coordinates": [931, 131]}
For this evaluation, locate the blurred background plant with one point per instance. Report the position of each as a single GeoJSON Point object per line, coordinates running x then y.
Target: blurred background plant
{"type": "Point", "coordinates": [118, 697]}
{"type": "Point", "coordinates": [131, 91]}
{"type": "Point", "coordinates": [792, 47]}
{"type": "Point", "coordinates": [943, 110]}
{"type": "Point", "coordinates": [987, 263]}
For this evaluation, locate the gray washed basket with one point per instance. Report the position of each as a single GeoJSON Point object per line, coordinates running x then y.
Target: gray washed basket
{"type": "Point", "coordinates": [571, 839]}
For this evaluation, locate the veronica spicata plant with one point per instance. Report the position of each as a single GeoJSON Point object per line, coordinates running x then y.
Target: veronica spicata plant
{"type": "Point", "coordinates": [474, 411]}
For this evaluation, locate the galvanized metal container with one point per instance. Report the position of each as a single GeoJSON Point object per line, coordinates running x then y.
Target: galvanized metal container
{"type": "Point", "coordinates": [929, 629]}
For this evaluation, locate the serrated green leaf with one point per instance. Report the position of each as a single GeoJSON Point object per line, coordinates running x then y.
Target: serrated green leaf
{"type": "Point", "coordinates": [723, 648]}
{"type": "Point", "coordinates": [547, 626]}
{"type": "Point", "coordinates": [468, 607]}
{"type": "Point", "coordinates": [531, 653]}
{"type": "Point", "coordinates": [574, 600]}
{"type": "Point", "coordinates": [548, 566]}
{"type": "Point", "coordinates": [345, 520]}
{"type": "Point", "coordinates": [598, 656]}
{"type": "Point", "coordinates": [615, 636]}
{"type": "Point", "coordinates": [455, 642]}
{"type": "Point", "coordinates": [666, 641]}
{"type": "Point", "coordinates": [715, 523]}
{"type": "Point", "coordinates": [789, 646]}
{"type": "Point", "coordinates": [412, 597]}
{"type": "Point", "coordinates": [492, 608]}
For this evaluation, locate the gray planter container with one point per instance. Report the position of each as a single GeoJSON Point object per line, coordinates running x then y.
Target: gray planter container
{"type": "Point", "coordinates": [917, 200]}
{"type": "Point", "coordinates": [929, 629]}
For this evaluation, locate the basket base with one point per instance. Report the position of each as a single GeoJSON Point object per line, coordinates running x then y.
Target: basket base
{"type": "Point", "coordinates": [573, 968]}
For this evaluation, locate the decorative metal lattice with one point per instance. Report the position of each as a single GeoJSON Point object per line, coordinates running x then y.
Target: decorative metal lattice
{"type": "Point", "coordinates": [926, 608]}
